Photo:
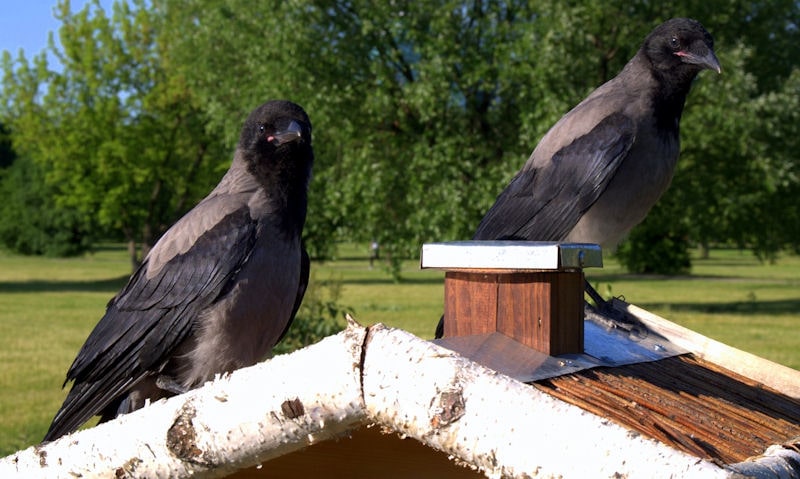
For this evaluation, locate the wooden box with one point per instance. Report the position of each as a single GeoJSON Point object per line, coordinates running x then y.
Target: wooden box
{"type": "Point", "coordinates": [531, 292]}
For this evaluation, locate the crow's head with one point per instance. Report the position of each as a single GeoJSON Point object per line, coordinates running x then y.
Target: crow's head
{"type": "Point", "coordinates": [680, 48]}
{"type": "Point", "coordinates": [276, 144]}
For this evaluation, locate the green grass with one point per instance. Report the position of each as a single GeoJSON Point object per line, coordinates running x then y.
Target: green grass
{"type": "Point", "coordinates": [48, 306]}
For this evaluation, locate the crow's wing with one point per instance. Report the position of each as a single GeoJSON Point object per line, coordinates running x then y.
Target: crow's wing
{"type": "Point", "coordinates": [544, 203]}
{"type": "Point", "coordinates": [305, 270]}
{"type": "Point", "coordinates": [151, 316]}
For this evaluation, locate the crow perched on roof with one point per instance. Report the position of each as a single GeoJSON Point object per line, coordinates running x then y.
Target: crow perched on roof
{"type": "Point", "coordinates": [216, 292]}
{"type": "Point", "coordinates": [604, 164]}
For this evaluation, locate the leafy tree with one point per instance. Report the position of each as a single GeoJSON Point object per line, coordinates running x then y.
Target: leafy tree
{"type": "Point", "coordinates": [716, 173]}
{"type": "Point", "coordinates": [422, 110]}
{"type": "Point", "coordinates": [416, 106]}
{"type": "Point", "coordinates": [772, 220]}
{"type": "Point", "coordinates": [32, 222]}
{"type": "Point", "coordinates": [738, 170]}
{"type": "Point", "coordinates": [117, 130]}
{"type": "Point", "coordinates": [119, 140]}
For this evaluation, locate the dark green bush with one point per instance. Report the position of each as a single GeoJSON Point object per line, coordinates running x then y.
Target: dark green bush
{"type": "Point", "coordinates": [659, 245]}
{"type": "Point", "coordinates": [31, 222]}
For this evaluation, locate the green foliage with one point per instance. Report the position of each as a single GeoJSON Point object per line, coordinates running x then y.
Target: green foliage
{"type": "Point", "coordinates": [32, 221]}
{"type": "Point", "coordinates": [116, 130]}
{"type": "Point", "coordinates": [660, 245]}
{"type": "Point", "coordinates": [422, 111]}
{"type": "Point", "coordinates": [411, 134]}
{"type": "Point", "coordinates": [774, 222]}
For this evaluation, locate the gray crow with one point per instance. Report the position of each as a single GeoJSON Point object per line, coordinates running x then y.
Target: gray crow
{"type": "Point", "coordinates": [597, 172]}
{"type": "Point", "coordinates": [217, 291]}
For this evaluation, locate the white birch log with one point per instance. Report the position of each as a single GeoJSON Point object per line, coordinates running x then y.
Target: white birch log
{"type": "Point", "coordinates": [499, 425]}
{"type": "Point", "coordinates": [777, 462]}
{"type": "Point", "coordinates": [480, 418]}
{"type": "Point", "coordinates": [237, 421]}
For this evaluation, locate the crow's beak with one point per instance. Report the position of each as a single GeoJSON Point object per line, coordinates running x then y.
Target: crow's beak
{"type": "Point", "coordinates": [708, 60]}
{"type": "Point", "coordinates": [293, 132]}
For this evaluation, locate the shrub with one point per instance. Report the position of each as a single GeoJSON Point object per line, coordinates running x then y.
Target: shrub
{"type": "Point", "coordinates": [31, 222]}
{"type": "Point", "coordinates": [657, 246]}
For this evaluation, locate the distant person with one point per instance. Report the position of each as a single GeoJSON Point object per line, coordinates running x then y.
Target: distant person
{"type": "Point", "coordinates": [374, 252]}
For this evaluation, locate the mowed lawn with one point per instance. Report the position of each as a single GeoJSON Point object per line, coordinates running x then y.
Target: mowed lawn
{"type": "Point", "coordinates": [48, 306]}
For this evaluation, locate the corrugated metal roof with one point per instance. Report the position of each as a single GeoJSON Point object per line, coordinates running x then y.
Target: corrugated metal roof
{"type": "Point", "coordinates": [688, 403]}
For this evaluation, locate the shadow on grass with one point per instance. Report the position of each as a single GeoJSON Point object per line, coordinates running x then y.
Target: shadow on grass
{"type": "Point", "coordinates": [782, 306]}
{"type": "Point", "coordinates": [111, 285]}
{"type": "Point", "coordinates": [652, 278]}
{"type": "Point", "coordinates": [389, 281]}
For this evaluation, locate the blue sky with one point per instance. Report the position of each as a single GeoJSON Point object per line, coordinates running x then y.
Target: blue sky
{"type": "Point", "coordinates": [25, 24]}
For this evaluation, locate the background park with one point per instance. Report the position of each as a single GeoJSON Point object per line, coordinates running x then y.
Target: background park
{"type": "Point", "coordinates": [422, 112]}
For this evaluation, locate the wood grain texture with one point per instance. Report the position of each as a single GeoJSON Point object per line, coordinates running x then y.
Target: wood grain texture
{"type": "Point", "coordinates": [542, 310]}
{"type": "Point", "coordinates": [470, 305]}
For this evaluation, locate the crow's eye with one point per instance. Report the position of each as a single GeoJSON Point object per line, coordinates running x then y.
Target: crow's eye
{"type": "Point", "coordinates": [262, 128]}
{"type": "Point", "coordinates": [674, 43]}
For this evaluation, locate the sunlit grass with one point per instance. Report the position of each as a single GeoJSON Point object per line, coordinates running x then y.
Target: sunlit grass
{"type": "Point", "coordinates": [48, 306]}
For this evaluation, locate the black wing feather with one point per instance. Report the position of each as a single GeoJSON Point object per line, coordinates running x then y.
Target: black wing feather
{"type": "Point", "coordinates": [544, 204]}
{"type": "Point", "coordinates": [305, 270]}
{"type": "Point", "coordinates": [149, 318]}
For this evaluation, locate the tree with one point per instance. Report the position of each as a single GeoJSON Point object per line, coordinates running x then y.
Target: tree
{"type": "Point", "coordinates": [416, 106]}
{"type": "Point", "coordinates": [422, 111]}
{"type": "Point", "coordinates": [117, 131]}
{"type": "Point", "coordinates": [32, 222]}
{"type": "Point", "coordinates": [773, 222]}
{"type": "Point", "coordinates": [738, 167]}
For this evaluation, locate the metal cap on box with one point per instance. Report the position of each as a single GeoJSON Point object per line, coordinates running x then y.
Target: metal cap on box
{"type": "Point", "coordinates": [510, 255]}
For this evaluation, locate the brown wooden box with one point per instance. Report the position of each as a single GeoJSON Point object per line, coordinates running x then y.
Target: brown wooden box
{"type": "Point", "coordinates": [542, 310]}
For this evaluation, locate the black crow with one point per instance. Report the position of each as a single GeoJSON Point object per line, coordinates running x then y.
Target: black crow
{"type": "Point", "coordinates": [604, 164]}
{"type": "Point", "coordinates": [216, 292]}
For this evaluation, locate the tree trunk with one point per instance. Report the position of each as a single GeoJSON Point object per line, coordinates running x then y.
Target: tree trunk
{"type": "Point", "coordinates": [132, 255]}
{"type": "Point", "coordinates": [704, 250]}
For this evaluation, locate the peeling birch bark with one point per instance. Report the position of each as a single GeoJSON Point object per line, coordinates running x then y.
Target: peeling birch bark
{"type": "Point", "coordinates": [499, 425]}
{"type": "Point", "coordinates": [240, 420]}
{"type": "Point", "coordinates": [777, 462]}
